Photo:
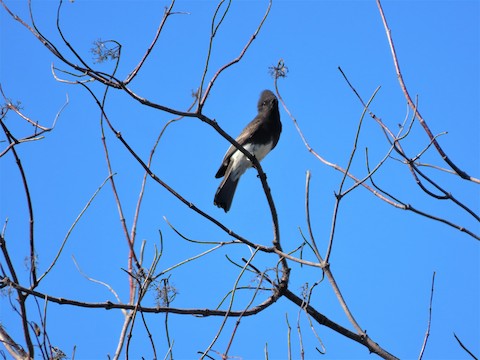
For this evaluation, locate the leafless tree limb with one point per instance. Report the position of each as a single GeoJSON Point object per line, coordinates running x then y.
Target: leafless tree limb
{"type": "Point", "coordinates": [20, 295]}
{"type": "Point", "coordinates": [460, 172]}
{"type": "Point", "coordinates": [395, 141]}
{"type": "Point", "coordinates": [255, 292]}
{"type": "Point", "coordinates": [363, 339]}
{"type": "Point", "coordinates": [168, 12]}
{"type": "Point", "coordinates": [54, 261]}
{"type": "Point", "coordinates": [224, 67]}
{"type": "Point", "coordinates": [464, 347]}
{"type": "Point", "coordinates": [289, 338]}
{"type": "Point", "coordinates": [427, 333]}
{"type": "Point", "coordinates": [12, 346]}
{"type": "Point", "coordinates": [307, 214]}
{"type": "Point", "coordinates": [322, 159]}
{"type": "Point", "coordinates": [339, 195]}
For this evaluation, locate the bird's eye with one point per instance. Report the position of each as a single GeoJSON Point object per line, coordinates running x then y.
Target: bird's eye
{"type": "Point", "coordinates": [264, 103]}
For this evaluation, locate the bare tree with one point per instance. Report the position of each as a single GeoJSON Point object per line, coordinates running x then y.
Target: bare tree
{"type": "Point", "coordinates": [270, 260]}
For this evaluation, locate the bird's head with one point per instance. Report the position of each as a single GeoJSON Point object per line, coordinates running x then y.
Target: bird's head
{"type": "Point", "coordinates": [267, 101]}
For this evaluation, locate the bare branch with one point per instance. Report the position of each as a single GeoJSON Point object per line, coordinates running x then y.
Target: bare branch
{"type": "Point", "coordinates": [323, 160]}
{"type": "Point", "coordinates": [307, 211]}
{"type": "Point", "coordinates": [230, 306]}
{"type": "Point", "coordinates": [226, 66]}
{"type": "Point", "coordinates": [132, 256]}
{"type": "Point", "coordinates": [20, 295]}
{"type": "Point", "coordinates": [109, 288]}
{"type": "Point", "coordinates": [289, 338]}
{"type": "Point", "coordinates": [339, 195]}
{"type": "Point", "coordinates": [71, 229]}
{"type": "Point", "coordinates": [166, 14]}
{"type": "Point", "coordinates": [255, 292]}
{"type": "Point", "coordinates": [13, 141]}
{"type": "Point", "coordinates": [408, 207]}
{"type": "Point", "coordinates": [460, 172]}
{"type": "Point", "coordinates": [12, 347]}
{"type": "Point", "coordinates": [323, 320]}
{"type": "Point", "coordinates": [32, 260]}
{"type": "Point", "coordinates": [464, 347]}
{"type": "Point", "coordinates": [427, 333]}
{"type": "Point", "coordinates": [414, 171]}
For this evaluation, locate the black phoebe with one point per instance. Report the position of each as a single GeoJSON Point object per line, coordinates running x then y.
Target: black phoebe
{"type": "Point", "coordinates": [259, 137]}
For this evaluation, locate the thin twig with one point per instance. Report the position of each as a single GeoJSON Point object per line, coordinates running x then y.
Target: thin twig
{"type": "Point", "coordinates": [339, 195]}
{"type": "Point", "coordinates": [166, 300]}
{"type": "Point", "coordinates": [404, 206]}
{"type": "Point", "coordinates": [323, 351]}
{"type": "Point", "coordinates": [289, 338]}
{"type": "Point", "coordinates": [237, 323]}
{"type": "Point", "coordinates": [307, 211]}
{"type": "Point", "coordinates": [114, 293]}
{"type": "Point", "coordinates": [300, 337]}
{"type": "Point", "coordinates": [427, 333]}
{"type": "Point", "coordinates": [213, 33]}
{"type": "Point", "coordinates": [192, 258]}
{"type": "Point", "coordinates": [166, 14]}
{"type": "Point", "coordinates": [464, 347]}
{"type": "Point", "coordinates": [234, 61]}
{"type": "Point", "coordinates": [11, 106]}
{"type": "Point", "coordinates": [323, 320]}
{"type": "Point", "coordinates": [22, 296]}
{"type": "Point", "coordinates": [384, 159]}
{"type": "Point", "coordinates": [184, 237]}
{"type": "Point", "coordinates": [71, 229]}
{"type": "Point", "coordinates": [143, 281]}
{"type": "Point", "coordinates": [230, 306]}
{"type": "Point", "coordinates": [123, 333]}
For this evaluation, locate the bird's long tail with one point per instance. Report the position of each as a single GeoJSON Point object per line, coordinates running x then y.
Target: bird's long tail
{"type": "Point", "coordinates": [226, 190]}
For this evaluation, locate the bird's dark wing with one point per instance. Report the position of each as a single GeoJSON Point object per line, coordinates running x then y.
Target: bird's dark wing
{"type": "Point", "coordinates": [242, 139]}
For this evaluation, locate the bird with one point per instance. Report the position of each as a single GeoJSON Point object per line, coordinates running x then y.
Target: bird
{"type": "Point", "coordinates": [259, 137]}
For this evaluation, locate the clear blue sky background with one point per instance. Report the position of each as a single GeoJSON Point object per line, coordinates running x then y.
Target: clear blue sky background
{"type": "Point", "coordinates": [383, 258]}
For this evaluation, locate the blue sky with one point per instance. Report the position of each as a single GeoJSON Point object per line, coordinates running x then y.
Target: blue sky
{"type": "Point", "coordinates": [383, 258]}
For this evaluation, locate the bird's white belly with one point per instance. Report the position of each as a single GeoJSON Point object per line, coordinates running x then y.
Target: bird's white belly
{"type": "Point", "coordinates": [240, 162]}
